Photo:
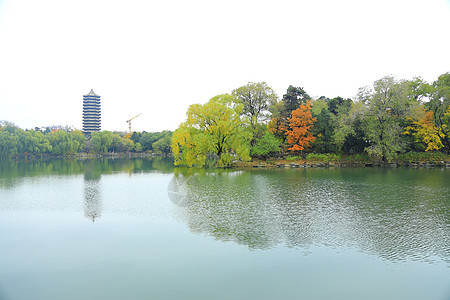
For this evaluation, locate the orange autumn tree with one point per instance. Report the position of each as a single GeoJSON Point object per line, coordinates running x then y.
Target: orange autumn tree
{"type": "Point", "coordinates": [299, 128]}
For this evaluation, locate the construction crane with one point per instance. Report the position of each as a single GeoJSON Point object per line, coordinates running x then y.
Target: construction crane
{"type": "Point", "coordinates": [129, 121]}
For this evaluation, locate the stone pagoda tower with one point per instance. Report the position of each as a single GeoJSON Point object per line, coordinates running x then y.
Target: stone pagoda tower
{"type": "Point", "coordinates": [91, 113]}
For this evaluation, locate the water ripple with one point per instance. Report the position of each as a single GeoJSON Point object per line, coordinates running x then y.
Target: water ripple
{"type": "Point", "coordinates": [394, 218]}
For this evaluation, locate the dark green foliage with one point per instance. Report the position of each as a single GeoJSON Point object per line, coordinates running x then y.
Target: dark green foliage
{"type": "Point", "coordinates": [164, 144]}
{"type": "Point", "coordinates": [149, 138]}
{"type": "Point", "coordinates": [294, 97]}
{"type": "Point", "coordinates": [355, 142]}
{"type": "Point", "coordinates": [136, 137]}
{"type": "Point", "coordinates": [334, 103]}
{"type": "Point", "coordinates": [323, 130]}
{"type": "Point", "coordinates": [338, 104]}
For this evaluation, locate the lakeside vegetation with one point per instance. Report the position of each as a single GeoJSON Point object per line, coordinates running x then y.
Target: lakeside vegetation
{"type": "Point", "coordinates": [65, 142]}
{"type": "Point", "coordinates": [393, 120]}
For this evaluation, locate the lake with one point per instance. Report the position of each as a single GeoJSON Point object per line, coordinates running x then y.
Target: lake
{"type": "Point", "coordinates": [142, 229]}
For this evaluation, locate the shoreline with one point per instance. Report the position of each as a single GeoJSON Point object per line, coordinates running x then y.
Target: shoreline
{"type": "Point", "coordinates": [255, 163]}
{"type": "Point", "coordinates": [82, 156]}
{"type": "Point", "coordinates": [341, 164]}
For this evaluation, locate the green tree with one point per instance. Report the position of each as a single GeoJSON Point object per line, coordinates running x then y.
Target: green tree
{"type": "Point", "coordinates": [137, 147]}
{"type": "Point", "coordinates": [149, 138]}
{"type": "Point", "coordinates": [79, 140]}
{"type": "Point", "coordinates": [439, 104]}
{"type": "Point", "coordinates": [419, 89]}
{"type": "Point", "coordinates": [256, 99]}
{"type": "Point", "coordinates": [62, 143]}
{"type": "Point", "coordinates": [213, 128]}
{"type": "Point", "coordinates": [388, 105]}
{"type": "Point", "coordinates": [136, 137]}
{"type": "Point", "coordinates": [323, 130]}
{"type": "Point", "coordinates": [38, 143]}
{"type": "Point", "coordinates": [338, 104]}
{"type": "Point", "coordinates": [266, 146]}
{"type": "Point", "coordinates": [102, 141]}
{"type": "Point", "coordinates": [318, 105]}
{"type": "Point", "coordinates": [278, 124]}
{"type": "Point", "coordinates": [349, 135]}
{"type": "Point", "coordinates": [294, 97]}
{"type": "Point", "coordinates": [8, 141]}
{"type": "Point", "coordinates": [118, 144]}
{"type": "Point", "coordinates": [164, 145]}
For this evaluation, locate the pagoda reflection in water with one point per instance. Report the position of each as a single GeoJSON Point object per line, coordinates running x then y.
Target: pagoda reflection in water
{"type": "Point", "coordinates": [92, 192]}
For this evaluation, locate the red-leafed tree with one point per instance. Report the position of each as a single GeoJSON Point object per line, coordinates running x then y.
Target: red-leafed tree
{"type": "Point", "coordinates": [299, 131]}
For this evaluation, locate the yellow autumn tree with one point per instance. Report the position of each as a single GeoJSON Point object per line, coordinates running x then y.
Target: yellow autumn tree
{"type": "Point", "coordinates": [214, 128]}
{"type": "Point", "coordinates": [299, 131]}
{"type": "Point", "coordinates": [424, 130]}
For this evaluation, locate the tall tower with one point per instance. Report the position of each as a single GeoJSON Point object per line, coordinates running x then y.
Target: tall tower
{"type": "Point", "coordinates": [91, 113]}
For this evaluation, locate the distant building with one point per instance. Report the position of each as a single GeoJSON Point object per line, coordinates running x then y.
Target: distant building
{"type": "Point", "coordinates": [91, 113]}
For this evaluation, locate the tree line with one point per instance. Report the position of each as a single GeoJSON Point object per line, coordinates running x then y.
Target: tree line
{"type": "Point", "coordinates": [390, 118]}
{"type": "Point", "coordinates": [16, 142]}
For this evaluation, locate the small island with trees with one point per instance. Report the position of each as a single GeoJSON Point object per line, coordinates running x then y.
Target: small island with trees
{"type": "Point", "coordinates": [393, 122]}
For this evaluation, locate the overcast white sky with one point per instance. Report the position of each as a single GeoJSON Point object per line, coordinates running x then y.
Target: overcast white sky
{"type": "Point", "coordinates": [158, 57]}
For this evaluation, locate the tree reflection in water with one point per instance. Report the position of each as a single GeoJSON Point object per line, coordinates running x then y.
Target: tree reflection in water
{"type": "Point", "coordinates": [375, 212]}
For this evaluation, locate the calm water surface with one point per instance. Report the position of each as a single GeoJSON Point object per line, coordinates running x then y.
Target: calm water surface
{"type": "Point", "coordinates": [140, 229]}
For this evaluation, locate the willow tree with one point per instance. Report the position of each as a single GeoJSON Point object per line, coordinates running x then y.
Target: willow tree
{"type": "Point", "coordinates": [214, 128]}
